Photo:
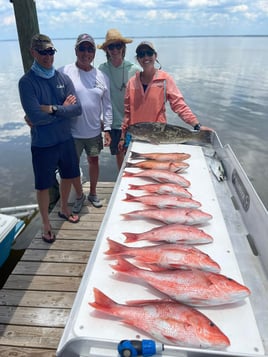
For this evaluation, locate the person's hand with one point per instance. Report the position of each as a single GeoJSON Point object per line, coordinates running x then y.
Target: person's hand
{"type": "Point", "coordinates": [206, 128]}
{"type": "Point", "coordinates": [121, 145]}
{"type": "Point", "coordinates": [71, 99]}
{"type": "Point", "coordinates": [28, 122]}
{"type": "Point", "coordinates": [107, 139]}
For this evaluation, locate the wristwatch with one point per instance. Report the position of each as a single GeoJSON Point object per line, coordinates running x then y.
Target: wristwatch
{"type": "Point", "coordinates": [197, 126]}
{"type": "Point", "coordinates": [54, 109]}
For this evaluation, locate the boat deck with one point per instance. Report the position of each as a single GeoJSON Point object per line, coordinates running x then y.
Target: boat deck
{"type": "Point", "coordinates": [36, 300]}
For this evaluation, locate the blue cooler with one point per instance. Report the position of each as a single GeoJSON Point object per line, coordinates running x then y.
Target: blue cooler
{"type": "Point", "coordinates": [7, 234]}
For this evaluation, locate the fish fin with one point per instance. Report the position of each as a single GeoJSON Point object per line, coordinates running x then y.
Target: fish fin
{"type": "Point", "coordinates": [203, 277]}
{"type": "Point", "coordinates": [149, 301]}
{"type": "Point", "coordinates": [135, 187]}
{"type": "Point", "coordinates": [135, 155]}
{"type": "Point", "coordinates": [127, 174]}
{"type": "Point", "coordinates": [102, 302]}
{"type": "Point", "coordinates": [129, 197]}
{"type": "Point", "coordinates": [115, 248]}
{"type": "Point", "coordinates": [129, 164]}
{"type": "Point", "coordinates": [130, 237]}
{"type": "Point", "coordinates": [155, 268]}
{"type": "Point", "coordinates": [123, 266]}
{"type": "Point", "coordinates": [205, 136]}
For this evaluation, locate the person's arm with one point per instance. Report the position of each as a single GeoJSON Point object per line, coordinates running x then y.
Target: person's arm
{"type": "Point", "coordinates": [126, 118]}
{"type": "Point", "coordinates": [107, 112]}
{"type": "Point", "coordinates": [70, 105]}
{"type": "Point", "coordinates": [30, 103]}
{"type": "Point", "coordinates": [31, 91]}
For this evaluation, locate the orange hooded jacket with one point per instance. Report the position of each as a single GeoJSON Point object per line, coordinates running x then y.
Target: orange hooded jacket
{"type": "Point", "coordinates": [149, 106]}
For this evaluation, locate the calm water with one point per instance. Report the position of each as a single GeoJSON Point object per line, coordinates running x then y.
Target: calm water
{"type": "Point", "coordinates": [224, 80]}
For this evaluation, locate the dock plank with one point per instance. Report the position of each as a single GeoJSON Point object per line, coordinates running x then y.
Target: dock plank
{"type": "Point", "coordinates": [40, 337]}
{"type": "Point", "coordinates": [42, 283]}
{"type": "Point", "coordinates": [33, 316]}
{"type": "Point", "coordinates": [73, 256]}
{"type": "Point", "coordinates": [31, 298]}
{"type": "Point", "coordinates": [36, 300]}
{"type": "Point", "coordinates": [51, 269]}
{"type": "Point", "coordinates": [7, 351]}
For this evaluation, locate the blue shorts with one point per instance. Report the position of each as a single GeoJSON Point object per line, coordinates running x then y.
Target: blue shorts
{"type": "Point", "coordinates": [48, 159]}
{"type": "Point", "coordinates": [115, 136]}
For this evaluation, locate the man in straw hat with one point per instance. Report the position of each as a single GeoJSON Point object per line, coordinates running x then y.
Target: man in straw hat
{"type": "Point", "coordinates": [119, 71]}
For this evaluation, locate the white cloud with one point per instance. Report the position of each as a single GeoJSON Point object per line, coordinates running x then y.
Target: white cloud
{"type": "Point", "coordinates": [239, 8]}
{"type": "Point", "coordinates": [262, 5]}
{"type": "Point", "coordinates": [196, 3]}
{"type": "Point", "coordinates": [8, 20]}
{"type": "Point", "coordinates": [156, 17]}
{"type": "Point", "coordinates": [141, 3]}
{"type": "Point", "coordinates": [152, 15]}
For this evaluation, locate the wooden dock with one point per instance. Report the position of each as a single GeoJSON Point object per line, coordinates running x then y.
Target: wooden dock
{"type": "Point", "coordinates": [36, 300]}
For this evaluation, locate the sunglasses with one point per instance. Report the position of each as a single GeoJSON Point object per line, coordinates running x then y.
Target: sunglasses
{"type": "Point", "coordinates": [86, 49]}
{"type": "Point", "coordinates": [112, 46]}
{"type": "Point", "coordinates": [144, 53]}
{"type": "Point", "coordinates": [49, 52]}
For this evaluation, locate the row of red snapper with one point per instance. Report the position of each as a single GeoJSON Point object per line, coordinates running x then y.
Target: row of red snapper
{"type": "Point", "coordinates": [187, 277]}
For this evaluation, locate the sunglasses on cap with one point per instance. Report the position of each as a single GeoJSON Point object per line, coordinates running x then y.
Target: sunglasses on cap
{"type": "Point", "coordinates": [49, 51]}
{"type": "Point", "coordinates": [112, 46]}
{"type": "Point", "coordinates": [149, 53]}
{"type": "Point", "coordinates": [86, 49]}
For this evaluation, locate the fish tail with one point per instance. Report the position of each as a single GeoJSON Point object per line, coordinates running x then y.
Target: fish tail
{"type": "Point", "coordinates": [102, 302]}
{"type": "Point", "coordinates": [127, 174]}
{"type": "Point", "coordinates": [115, 248]}
{"type": "Point", "coordinates": [130, 237]}
{"type": "Point", "coordinates": [130, 215]}
{"type": "Point", "coordinates": [123, 266]}
{"type": "Point", "coordinates": [129, 164]}
{"type": "Point", "coordinates": [205, 136]}
{"type": "Point", "coordinates": [129, 197]}
{"type": "Point", "coordinates": [134, 187]}
{"type": "Point", "coordinates": [135, 155]}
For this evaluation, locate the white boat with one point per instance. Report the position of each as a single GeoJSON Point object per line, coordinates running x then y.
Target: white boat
{"type": "Point", "coordinates": [239, 227]}
{"type": "Point", "coordinates": [24, 211]}
{"type": "Point", "coordinates": [12, 222]}
{"type": "Point", "coordinates": [10, 228]}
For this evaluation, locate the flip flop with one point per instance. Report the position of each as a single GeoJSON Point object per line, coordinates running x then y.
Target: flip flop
{"type": "Point", "coordinates": [49, 237]}
{"type": "Point", "coordinates": [71, 218]}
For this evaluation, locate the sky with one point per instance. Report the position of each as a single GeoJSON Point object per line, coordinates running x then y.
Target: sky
{"type": "Point", "coordinates": [140, 18]}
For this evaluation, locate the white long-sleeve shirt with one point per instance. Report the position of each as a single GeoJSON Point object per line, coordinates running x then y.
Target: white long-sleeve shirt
{"type": "Point", "coordinates": [93, 90]}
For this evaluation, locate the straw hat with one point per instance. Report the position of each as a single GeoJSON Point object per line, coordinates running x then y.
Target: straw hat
{"type": "Point", "coordinates": [113, 35]}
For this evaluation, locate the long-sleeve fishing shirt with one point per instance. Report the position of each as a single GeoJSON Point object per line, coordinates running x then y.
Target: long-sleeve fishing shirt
{"type": "Point", "coordinates": [93, 90]}
{"type": "Point", "coordinates": [118, 77]}
{"type": "Point", "coordinates": [48, 129]}
{"type": "Point", "coordinates": [149, 105]}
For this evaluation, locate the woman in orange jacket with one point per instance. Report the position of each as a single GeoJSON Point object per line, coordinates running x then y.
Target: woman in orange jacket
{"type": "Point", "coordinates": [148, 91]}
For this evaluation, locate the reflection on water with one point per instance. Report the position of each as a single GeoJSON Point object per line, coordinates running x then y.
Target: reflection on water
{"type": "Point", "coordinates": [224, 80]}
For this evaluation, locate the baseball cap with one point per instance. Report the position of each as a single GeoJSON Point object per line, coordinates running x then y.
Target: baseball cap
{"type": "Point", "coordinates": [145, 43]}
{"type": "Point", "coordinates": [41, 42]}
{"type": "Point", "coordinates": [84, 37]}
